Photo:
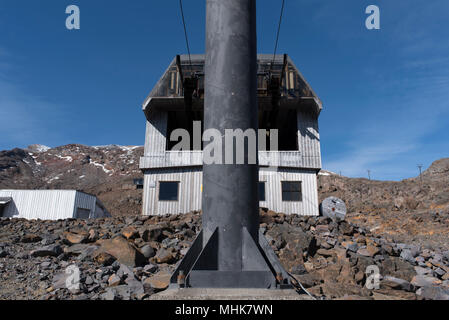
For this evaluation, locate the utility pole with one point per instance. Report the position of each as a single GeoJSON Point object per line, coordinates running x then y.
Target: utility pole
{"type": "Point", "coordinates": [369, 174]}
{"type": "Point", "coordinates": [420, 166]}
{"type": "Point", "coordinates": [230, 252]}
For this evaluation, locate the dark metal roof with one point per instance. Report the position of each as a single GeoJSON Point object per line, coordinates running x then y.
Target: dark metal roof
{"type": "Point", "coordinates": [301, 96]}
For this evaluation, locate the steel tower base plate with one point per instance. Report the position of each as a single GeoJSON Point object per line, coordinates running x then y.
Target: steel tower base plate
{"type": "Point", "coordinates": [260, 268]}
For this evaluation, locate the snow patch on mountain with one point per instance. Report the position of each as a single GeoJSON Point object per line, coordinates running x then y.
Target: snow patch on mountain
{"type": "Point", "coordinates": [39, 148]}
{"type": "Point", "coordinates": [68, 158]}
{"type": "Point", "coordinates": [326, 173]}
{"type": "Point", "coordinates": [102, 166]}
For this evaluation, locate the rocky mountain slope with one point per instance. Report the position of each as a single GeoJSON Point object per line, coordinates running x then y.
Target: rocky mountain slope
{"type": "Point", "coordinates": [105, 171]}
{"type": "Point", "coordinates": [414, 210]}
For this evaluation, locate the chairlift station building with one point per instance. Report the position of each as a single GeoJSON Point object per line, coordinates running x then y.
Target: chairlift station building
{"type": "Point", "coordinates": [286, 102]}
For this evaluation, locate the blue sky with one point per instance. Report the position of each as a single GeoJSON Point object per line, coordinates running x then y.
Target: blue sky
{"type": "Point", "coordinates": [385, 92]}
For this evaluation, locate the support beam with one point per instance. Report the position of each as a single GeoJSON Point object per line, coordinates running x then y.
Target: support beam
{"type": "Point", "coordinates": [228, 254]}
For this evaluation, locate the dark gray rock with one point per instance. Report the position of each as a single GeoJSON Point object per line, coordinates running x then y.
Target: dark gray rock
{"type": "Point", "coordinates": [446, 255]}
{"type": "Point", "coordinates": [306, 280]}
{"type": "Point", "coordinates": [398, 284]}
{"type": "Point", "coordinates": [440, 272]}
{"type": "Point", "coordinates": [109, 295]}
{"type": "Point", "coordinates": [80, 249]}
{"type": "Point", "coordinates": [59, 280]}
{"type": "Point", "coordinates": [425, 281]}
{"type": "Point", "coordinates": [379, 258]}
{"type": "Point", "coordinates": [169, 243]}
{"type": "Point", "coordinates": [116, 265]}
{"type": "Point", "coordinates": [31, 238]}
{"type": "Point", "coordinates": [423, 271]}
{"type": "Point", "coordinates": [433, 293]}
{"type": "Point", "coordinates": [150, 268]}
{"type": "Point", "coordinates": [51, 250]}
{"type": "Point", "coordinates": [48, 239]}
{"type": "Point", "coordinates": [420, 260]}
{"type": "Point", "coordinates": [125, 270]}
{"type": "Point", "coordinates": [88, 281]}
{"type": "Point", "coordinates": [353, 247]}
{"type": "Point", "coordinates": [148, 251]}
{"type": "Point", "coordinates": [135, 287]}
{"type": "Point", "coordinates": [299, 269]}
{"type": "Point", "coordinates": [331, 241]}
{"type": "Point", "coordinates": [437, 257]}
{"type": "Point", "coordinates": [345, 228]}
{"type": "Point", "coordinates": [165, 256]}
{"type": "Point", "coordinates": [414, 251]}
{"type": "Point", "coordinates": [121, 292]}
{"type": "Point", "coordinates": [407, 255]}
{"type": "Point", "coordinates": [81, 297]}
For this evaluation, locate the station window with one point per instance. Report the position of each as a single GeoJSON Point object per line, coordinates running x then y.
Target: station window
{"type": "Point", "coordinates": [262, 191]}
{"type": "Point", "coordinates": [291, 191]}
{"type": "Point", "coordinates": [82, 213]}
{"type": "Point", "coordinates": [168, 191]}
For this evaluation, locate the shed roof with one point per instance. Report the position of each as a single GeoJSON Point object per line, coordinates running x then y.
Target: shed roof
{"type": "Point", "coordinates": [158, 99]}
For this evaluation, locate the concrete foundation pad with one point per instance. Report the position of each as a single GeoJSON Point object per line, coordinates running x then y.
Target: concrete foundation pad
{"type": "Point", "coordinates": [228, 294]}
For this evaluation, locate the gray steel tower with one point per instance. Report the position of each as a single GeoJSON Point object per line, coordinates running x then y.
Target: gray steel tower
{"type": "Point", "coordinates": [230, 252]}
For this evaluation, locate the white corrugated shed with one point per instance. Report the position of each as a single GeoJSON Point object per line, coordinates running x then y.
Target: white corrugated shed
{"type": "Point", "coordinates": [51, 205]}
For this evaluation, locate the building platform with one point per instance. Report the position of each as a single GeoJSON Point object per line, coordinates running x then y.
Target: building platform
{"type": "Point", "coordinates": [229, 294]}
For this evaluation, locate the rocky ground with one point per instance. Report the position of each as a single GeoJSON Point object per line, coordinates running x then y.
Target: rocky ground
{"type": "Point", "coordinates": [132, 258]}
{"type": "Point", "coordinates": [400, 226]}
{"type": "Point", "coordinates": [414, 210]}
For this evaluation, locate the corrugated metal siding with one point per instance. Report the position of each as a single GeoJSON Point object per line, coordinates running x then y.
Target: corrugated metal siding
{"type": "Point", "coordinates": [48, 204]}
{"type": "Point", "coordinates": [190, 196]}
{"type": "Point", "coordinates": [189, 191]}
{"type": "Point", "coordinates": [309, 140]}
{"type": "Point", "coordinates": [281, 159]}
{"type": "Point", "coordinates": [40, 204]}
{"type": "Point", "coordinates": [155, 141]}
{"type": "Point", "coordinates": [168, 159]}
{"type": "Point", "coordinates": [273, 191]}
{"type": "Point", "coordinates": [172, 159]}
{"type": "Point", "coordinates": [100, 213]}
{"type": "Point", "coordinates": [84, 201]}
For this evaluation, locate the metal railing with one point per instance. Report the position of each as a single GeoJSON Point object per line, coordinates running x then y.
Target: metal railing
{"type": "Point", "coordinates": [168, 159]}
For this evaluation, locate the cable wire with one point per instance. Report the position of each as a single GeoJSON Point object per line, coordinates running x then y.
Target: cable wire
{"type": "Point", "coordinates": [301, 286]}
{"type": "Point", "coordinates": [185, 34]}
{"type": "Point", "coordinates": [277, 35]}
